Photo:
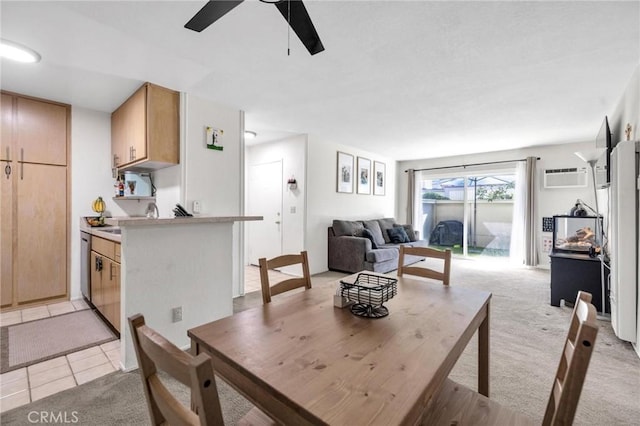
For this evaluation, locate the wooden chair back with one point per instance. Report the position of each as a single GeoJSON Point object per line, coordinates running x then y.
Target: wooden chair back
{"type": "Point", "coordinates": [457, 404]}
{"type": "Point", "coordinates": [426, 272]}
{"type": "Point", "coordinates": [269, 290]}
{"type": "Point", "coordinates": [154, 353]}
{"type": "Point", "coordinates": [569, 378]}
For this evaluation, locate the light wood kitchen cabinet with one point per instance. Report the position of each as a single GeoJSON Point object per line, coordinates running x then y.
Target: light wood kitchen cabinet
{"type": "Point", "coordinates": [145, 130]}
{"type": "Point", "coordinates": [34, 206]}
{"type": "Point", "coordinates": [105, 279]}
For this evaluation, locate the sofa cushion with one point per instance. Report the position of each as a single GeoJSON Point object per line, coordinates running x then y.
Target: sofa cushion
{"type": "Point", "coordinates": [374, 227]}
{"type": "Point", "coordinates": [347, 227]}
{"type": "Point", "coordinates": [369, 235]}
{"type": "Point", "coordinates": [398, 235]}
{"type": "Point", "coordinates": [409, 230]}
{"type": "Point", "coordinates": [386, 224]}
{"type": "Point", "coordinates": [382, 255]}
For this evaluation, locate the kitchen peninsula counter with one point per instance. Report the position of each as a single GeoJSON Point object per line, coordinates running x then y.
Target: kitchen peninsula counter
{"type": "Point", "coordinates": [177, 272]}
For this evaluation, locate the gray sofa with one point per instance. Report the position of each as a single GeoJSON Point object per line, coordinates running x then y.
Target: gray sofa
{"type": "Point", "coordinates": [351, 248]}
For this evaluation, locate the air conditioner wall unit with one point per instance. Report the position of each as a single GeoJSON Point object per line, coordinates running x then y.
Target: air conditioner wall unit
{"type": "Point", "coordinates": [566, 178]}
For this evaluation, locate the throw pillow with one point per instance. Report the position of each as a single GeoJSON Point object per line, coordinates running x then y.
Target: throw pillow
{"type": "Point", "coordinates": [346, 227]}
{"type": "Point", "coordinates": [374, 227]}
{"type": "Point", "coordinates": [365, 233]}
{"type": "Point", "coordinates": [385, 224]}
{"type": "Point", "coordinates": [398, 235]}
{"type": "Point", "coordinates": [410, 232]}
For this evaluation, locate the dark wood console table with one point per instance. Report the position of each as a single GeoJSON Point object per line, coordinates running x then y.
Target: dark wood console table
{"type": "Point", "coordinates": [571, 273]}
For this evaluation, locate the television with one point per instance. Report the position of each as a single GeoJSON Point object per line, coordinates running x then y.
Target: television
{"type": "Point", "coordinates": [603, 140]}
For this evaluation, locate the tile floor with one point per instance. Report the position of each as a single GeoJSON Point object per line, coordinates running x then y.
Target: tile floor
{"type": "Point", "coordinates": [37, 381]}
{"type": "Point", "coordinates": [22, 386]}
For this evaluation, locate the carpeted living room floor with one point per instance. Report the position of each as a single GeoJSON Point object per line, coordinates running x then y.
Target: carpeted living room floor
{"type": "Point", "coordinates": [527, 335]}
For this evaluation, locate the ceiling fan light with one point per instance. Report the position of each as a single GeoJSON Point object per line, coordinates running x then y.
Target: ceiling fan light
{"type": "Point", "coordinates": [17, 52]}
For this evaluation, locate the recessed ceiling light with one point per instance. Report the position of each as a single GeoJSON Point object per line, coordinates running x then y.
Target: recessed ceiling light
{"type": "Point", "coordinates": [248, 134]}
{"type": "Point", "coordinates": [17, 52]}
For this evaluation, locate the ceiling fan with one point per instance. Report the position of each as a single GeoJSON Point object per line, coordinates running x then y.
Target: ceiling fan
{"type": "Point", "coordinates": [292, 10]}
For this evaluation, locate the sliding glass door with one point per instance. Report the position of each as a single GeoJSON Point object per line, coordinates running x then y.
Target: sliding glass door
{"type": "Point", "coordinates": [471, 214]}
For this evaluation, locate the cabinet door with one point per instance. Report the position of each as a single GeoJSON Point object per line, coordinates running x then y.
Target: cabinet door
{"type": "Point", "coordinates": [111, 290]}
{"type": "Point", "coordinates": [97, 268]}
{"type": "Point", "coordinates": [41, 232]}
{"type": "Point", "coordinates": [41, 132]}
{"type": "Point", "coordinates": [163, 125]}
{"type": "Point", "coordinates": [6, 205]}
{"type": "Point", "coordinates": [118, 136]}
{"type": "Point", "coordinates": [137, 124]}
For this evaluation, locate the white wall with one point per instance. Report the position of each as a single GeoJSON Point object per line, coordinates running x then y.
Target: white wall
{"type": "Point", "coordinates": [292, 151]}
{"type": "Point", "coordinates": [324, 204]}
{"type": "Point", "coordinates": [549, 201]}
{"type": "Point", "coordinates": [90, 177]}
{"type": "Point", "coordinates": [215, 178]}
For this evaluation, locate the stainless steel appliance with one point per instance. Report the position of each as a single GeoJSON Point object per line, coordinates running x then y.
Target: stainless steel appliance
{"type": "Point", "coordinates": [85, 267]}
{"type": "Point", "coordinates": [137, 184]}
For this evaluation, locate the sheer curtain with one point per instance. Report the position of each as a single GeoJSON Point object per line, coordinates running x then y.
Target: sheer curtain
{"type": "Point", "coordinates": [523, 240]}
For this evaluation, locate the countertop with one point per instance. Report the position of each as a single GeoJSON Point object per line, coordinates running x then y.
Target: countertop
{"type": "Point", "coordinates": [143, 221]}
{"type": "Point", "coordinates": [100, 231]}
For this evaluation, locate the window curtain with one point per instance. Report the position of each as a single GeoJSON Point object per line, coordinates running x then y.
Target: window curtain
{"type": "Point", "coordinates": [523, 237]}
{"type": "Point", "coordinates": [411, 197]}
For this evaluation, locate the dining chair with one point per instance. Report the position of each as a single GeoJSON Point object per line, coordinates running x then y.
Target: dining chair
{"type": "Point", "coordinates": [154, 353]}
{"type": "Point", "coordinates": [427, 252]}
{"type": "Point", "coordinates": [269, 290]}
{"type": "Point", "coordinates": [457, 404]}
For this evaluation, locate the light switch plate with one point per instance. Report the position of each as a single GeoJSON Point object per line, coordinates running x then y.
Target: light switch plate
{"type": "Point", "coordinates": [196, 207]}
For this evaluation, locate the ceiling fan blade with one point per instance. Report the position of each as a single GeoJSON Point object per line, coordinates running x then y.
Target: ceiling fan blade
{"type": "Point", "coordinates": [301, 24]}
{"type": "Point", "coordinates": [210, 13]}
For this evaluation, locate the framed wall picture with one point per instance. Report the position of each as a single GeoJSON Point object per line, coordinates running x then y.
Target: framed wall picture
{"type": "Point", "coordinates": [344, 169]}
{"type": "Point", "coordinates": [364, 176]}
{"type": "Point", "coordinates": [379, 178]}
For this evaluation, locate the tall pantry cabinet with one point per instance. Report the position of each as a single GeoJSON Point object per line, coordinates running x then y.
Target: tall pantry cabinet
{"type": "Point", "coordinates": [34, 207]}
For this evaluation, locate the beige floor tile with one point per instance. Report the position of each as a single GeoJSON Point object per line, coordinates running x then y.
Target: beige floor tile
{"type": "Point", "coordinates": [31, 314]}
{"type": "Point", "coordinates": [15, 386]}
{"type": "Point", "coordinates": [114, 344]}
{"type": "Point", "coordinates": [80, 304]}
{"type": "Point", "coordinates": [11, 376]}
{"type": "Point", "coordinates": [89, 362]}
{"type": "Point", "coordinates": [61, 308]}
{"type": "Point", "coordinates": [16, 400]}
{"type": "Point", "coordinates": [10, 318]}
{"type": "Point", "coordinates": [75, 356]}
{"type": "Point", "coordinates": [49, 375]}
{"type": "Point", "coordinates": [94, 372]}
{"type": "Point", "coordinates": [52, 387]}
{"type": "Point", "coordinates": [47, 365]}
{"type": "Point", "coordinates": [114, 356]}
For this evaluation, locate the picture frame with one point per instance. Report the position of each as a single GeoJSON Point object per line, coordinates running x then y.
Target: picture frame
{"type": "Point", "coordinates": [379, 177]}
{"type": "Point", "coordinates": [363, 175]}
{"type": "Point", "coordinates": [344, 173]}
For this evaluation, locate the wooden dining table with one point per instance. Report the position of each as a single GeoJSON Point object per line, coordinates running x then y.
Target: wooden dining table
{"type": "Point", "coordinates": [302, 360]}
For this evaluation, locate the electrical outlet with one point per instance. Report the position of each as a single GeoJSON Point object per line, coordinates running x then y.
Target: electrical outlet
{"type": "Point", "coordinates": [292, 209]}
{"type": "Point", "coordinates": [176, 314]}
{"type": "Point", "coordinates": [196, 207]}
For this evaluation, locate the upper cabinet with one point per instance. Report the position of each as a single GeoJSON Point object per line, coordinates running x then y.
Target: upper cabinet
{"type": "Point", "coordinates": [145, 130]}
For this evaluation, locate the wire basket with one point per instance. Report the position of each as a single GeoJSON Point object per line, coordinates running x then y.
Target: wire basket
{"type": "Point", "coordinates": [368, 293]}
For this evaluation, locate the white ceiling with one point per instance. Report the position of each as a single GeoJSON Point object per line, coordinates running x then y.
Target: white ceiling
{"type": "Point", "coordinates": [405, 79]}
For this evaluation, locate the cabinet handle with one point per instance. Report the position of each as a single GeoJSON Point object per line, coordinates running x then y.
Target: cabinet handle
{"type": "Point", "coordinates": [21, 163]}
{"type": "Point", "coordinates": [7, 168]}
{"type": "Point", "coordinates": [111, 272]}
{"type": "Point", "coordinates": [115, 161]}
{"type": "Point", "coordinates": [131, 153]}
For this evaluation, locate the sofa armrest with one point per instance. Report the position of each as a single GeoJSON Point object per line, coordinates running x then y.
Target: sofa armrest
{"type": "Point", "coordinates": [348, 253]}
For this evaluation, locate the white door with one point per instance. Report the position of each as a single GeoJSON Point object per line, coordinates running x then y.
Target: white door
{"type": "Point", "coordinates": [265, 199]}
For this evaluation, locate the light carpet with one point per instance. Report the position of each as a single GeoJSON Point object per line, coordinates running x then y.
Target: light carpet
{"type": "Point", "coordinates": [36, 341]}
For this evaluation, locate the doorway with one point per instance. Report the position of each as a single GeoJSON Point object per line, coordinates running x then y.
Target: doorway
{"type": "Point", "coordinates": [265, 199]}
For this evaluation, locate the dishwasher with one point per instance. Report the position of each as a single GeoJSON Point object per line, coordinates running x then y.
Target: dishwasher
{"type": "Point", "coordinates": [85, 267]}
